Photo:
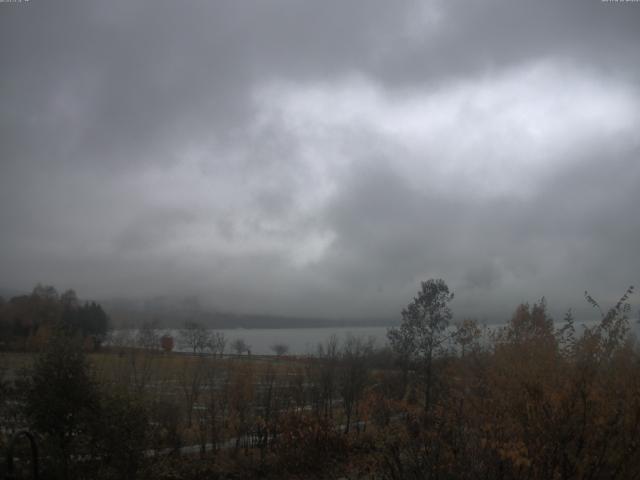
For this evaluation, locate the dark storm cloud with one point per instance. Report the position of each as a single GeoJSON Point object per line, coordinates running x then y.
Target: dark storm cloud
{"type": "Point", "coordinates": [474, 38]}
{"type": "Point", "coordinates": [129, 82]}
{"type": "Point", "coordinates": [321, 158]}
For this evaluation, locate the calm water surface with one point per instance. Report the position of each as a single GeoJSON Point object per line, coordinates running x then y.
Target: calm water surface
{"type": "Point", "coordinates": [299, 340]}
{"type": "Point", "coordinates": [303, 341]}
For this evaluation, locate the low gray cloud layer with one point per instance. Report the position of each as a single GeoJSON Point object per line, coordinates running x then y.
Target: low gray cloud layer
{"type": "Point", "coordinates": [321, 158]}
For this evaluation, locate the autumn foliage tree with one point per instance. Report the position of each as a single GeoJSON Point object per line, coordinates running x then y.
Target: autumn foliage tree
{"type": "Point", "coordinates": [27, 321]}
{"type": "Point", "coordinates": [423, 332]}
{"type": "Point", "coordinates": [537, 401]}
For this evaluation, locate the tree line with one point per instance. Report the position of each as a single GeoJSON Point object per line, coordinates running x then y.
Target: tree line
{"type": "Point", "coordinates": [28, 321]}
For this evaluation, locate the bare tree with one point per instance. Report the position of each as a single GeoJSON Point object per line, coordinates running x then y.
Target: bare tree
{"type": "Point", "coordinates": [240, 346]}
{"type": "Point", "coordinates": [217, 343]}
{"type": "Point", "coordinates": [241, 398]}
{"type": "Point", "coordinates": [135, 365]}
{"type": "Point", "coordinates": [147, 336]}
{"type": "Point", "coordinates": [323, 375]}
{"type": "Point", "coordinates": [195, 337]}
{"type": "Point", "coordinates": [267, 400]}
{"type": "Point", "coordinates": [191, 379]}
{"type": "Point", "coordinates": [353, 376]}
{"type": "Point", "coordinates": [279, 349]}
{"type": "Point", "coordinates": [215, 401]}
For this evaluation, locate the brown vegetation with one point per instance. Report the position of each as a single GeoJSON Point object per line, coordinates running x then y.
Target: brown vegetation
{"type": "Point", "coordinates": [523, 401]}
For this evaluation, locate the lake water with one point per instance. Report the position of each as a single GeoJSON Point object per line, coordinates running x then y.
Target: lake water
{"type": "Point", "coordinates": [299, 340]}
{"type": "Point", "coordinates": [302, 341]}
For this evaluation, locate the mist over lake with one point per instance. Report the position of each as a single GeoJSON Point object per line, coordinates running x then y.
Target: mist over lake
{"type": "Point", "coordinates": [304, 341]}
{"type": "Point", "coordinates": [301, 341]}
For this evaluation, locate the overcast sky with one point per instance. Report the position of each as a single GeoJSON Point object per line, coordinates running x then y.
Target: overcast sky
{"type": "Point", "coordinates": [320, 158]}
